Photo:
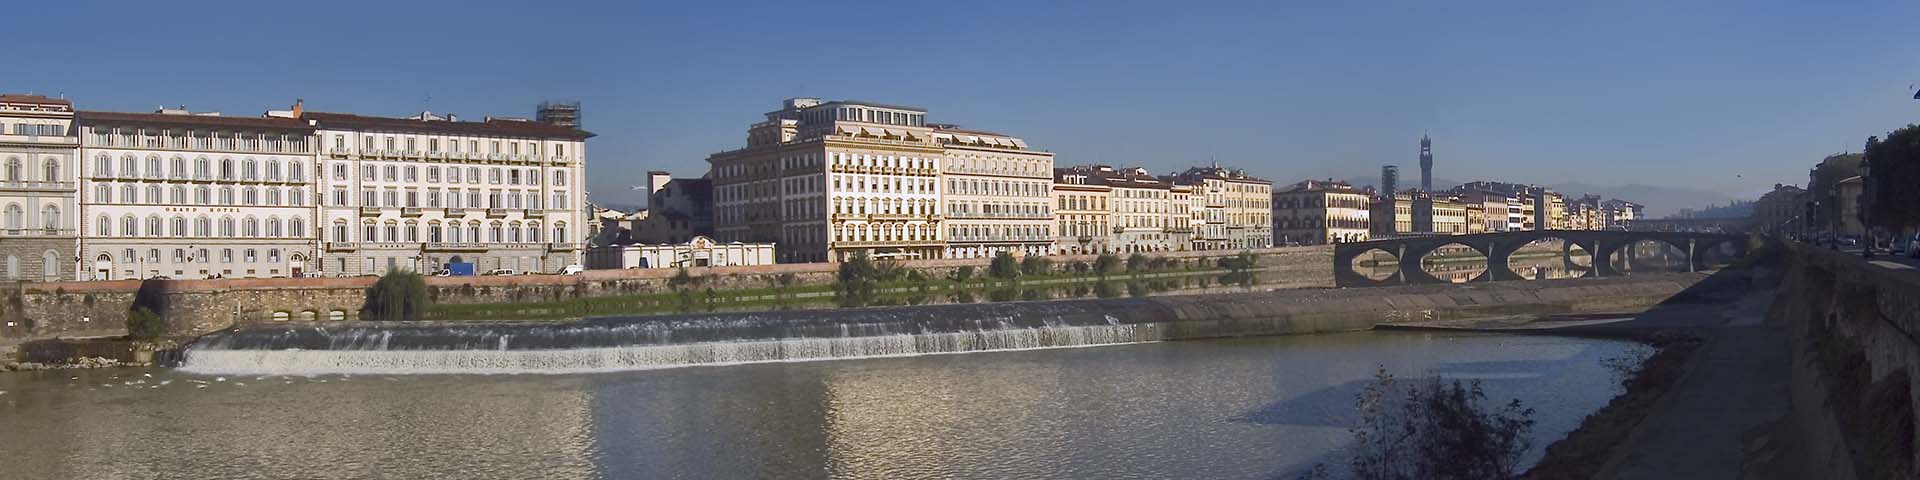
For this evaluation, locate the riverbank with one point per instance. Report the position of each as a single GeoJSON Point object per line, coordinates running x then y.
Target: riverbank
{"type": "Point", "coordinates": [1718, 374]}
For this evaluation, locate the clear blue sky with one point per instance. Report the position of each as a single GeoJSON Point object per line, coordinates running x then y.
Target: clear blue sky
{"type": "Point", "coordinates": [1724, 96]}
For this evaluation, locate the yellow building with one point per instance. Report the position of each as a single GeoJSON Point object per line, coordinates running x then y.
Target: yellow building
{"type": "Point", "coordinates": [1314, 212]}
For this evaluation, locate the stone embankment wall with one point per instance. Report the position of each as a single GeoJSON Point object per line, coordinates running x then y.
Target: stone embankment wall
{"type": "Point", "coordinates": [1855, 331]}
{"type": "Point", "coordinates": [1332, 310]}
{"type": "Point", "coordinates": [80, 309]}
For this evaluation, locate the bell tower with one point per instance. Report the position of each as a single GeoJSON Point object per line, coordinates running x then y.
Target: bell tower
{"type": "Point", "coordinates": [1426, 163]}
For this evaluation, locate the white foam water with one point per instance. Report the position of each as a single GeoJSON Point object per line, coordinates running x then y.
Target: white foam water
{"type": "Point", "coordinates": [379, 360]}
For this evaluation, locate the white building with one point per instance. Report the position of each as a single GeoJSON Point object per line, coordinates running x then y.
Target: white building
{"type": "Point", "coordinates": [195, 195]}
{"type": "Point", "coordinates": [700, 252]}
{"type": "Point", "coordinates": [417, 193]}
{"type": "Point", "coordinates": [1237, 212]}
{"type": "Point", "coordinates": [998, 195]}
{"type": "Point", "coordinates": [37, 188]}
{"type": "Point", "coordinates": [1080, 208]}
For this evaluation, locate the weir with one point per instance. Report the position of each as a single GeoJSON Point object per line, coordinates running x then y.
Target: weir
{"type": "Point", "coordinates": [631, 343]}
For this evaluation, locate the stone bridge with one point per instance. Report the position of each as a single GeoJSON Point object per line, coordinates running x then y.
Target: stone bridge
{"type": "Point", "coordinates": [1499, 247]}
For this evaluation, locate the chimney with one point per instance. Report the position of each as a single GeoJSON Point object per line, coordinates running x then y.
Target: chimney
{"type": "Point", "coordinates": [299, 105]}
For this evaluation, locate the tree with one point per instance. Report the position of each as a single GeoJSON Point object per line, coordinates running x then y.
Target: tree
{"type": "Point", "coordinates": [1003, 266]}
{"type": "Point", "coordinates": [1035, 265]}
{"type": "Point", "coordinates": [853, 286]}
{"type": "Point", "coordinates": [399, 295]}
{"type": "Point", "coordinates": [1105, 264]}
{"type": "Point", "coordinates": [1137, 262]}
{"type": "Point", "coordinates": [1894, 168]}
{"type": "Point", "coordinates": [1436, 429]}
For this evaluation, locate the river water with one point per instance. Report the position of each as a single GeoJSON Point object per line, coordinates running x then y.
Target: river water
{"type": "Point", "coordinates": [1242, 408]}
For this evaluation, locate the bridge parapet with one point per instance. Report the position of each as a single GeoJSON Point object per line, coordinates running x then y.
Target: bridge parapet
{"type": "Point", "coordinates": [1499, 247]}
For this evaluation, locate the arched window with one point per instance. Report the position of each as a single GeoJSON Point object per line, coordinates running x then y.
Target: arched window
{"type": "Point", "coordinates": [50, 264]}
{"type": "Point", "coordinates": [294, 198]}
{"type": "Point", "coordinates": [15, 217]}
{"type": "Point", "coordinates": [154, 227]}
{"type": "Point", "coordinates": [392, 231]}
{"type": "Point", "coordinates": [153, 167]}
{"type": "Point", "coordinates": [226, 226]}
{"type": "Point", "coordinates": [273, 169]}
{"type": "Point", "coordinates": [294, 173]}
{"type": "Point", "coordinates": [177, 195]}
{"type": "Point", "coordinates": [273, 197]}
{"type": "Point", "coordinates": [52, 171]}
{"type": "Point", "coordinates": [129, 168]}
{"type": "Point", "coordinates": [127, 195]}
{"type": "Point", "coordinates": [13, 169]}
{"type": "Point", "coordinates": [369, 233]}
{"type": "Point", "coordinates": [533, 232]}
{"type": "Point", "coordinates": [250, 170]}
{"type": "Point", "coordinates": [250, 227]}
{"type": "Point", "coordinates": [513, 232]}
{"type": "Point", "coordinates": [129, 227]}
{"type": "Point", "coordinates": [177, 168]}
{"type": "Point", "coordinates": [412, 231]}
{"type": "Point", "coordinates": [13, 267]}
{"type": "Point", "coordinates": [226, 169]}
{"type": "Point", "coordinates": [340, 231]}
{"type": "Point", "coordinates": [226, 195]}
{"type": "Point", "coordinates": [296, 227]}
{"type": "Point", "coordinates": [102, 193]}
{"type": "Point", "coordinates": [493, 232]}
{"type": "Point", "coordinates": [203, 227]}
{"type": "Point", "coordinates": [102, 166]}
{"type": "Point", "coordinates": [433, 232]}
{"type": "Point", "coordinates": [249, 196]}
{"type": "Point", "coordinates": [273, 227]}
{"type": "Point", "coordinates": [560, 233]}
{"type": "Point", "coordinates": [202, 195]}
{"type": "Point", "coordinates": [202, 169]}
{"type": "Point", "coordinates": [50, 218]}
{"type": "Point", "coordinates": [103, 226]}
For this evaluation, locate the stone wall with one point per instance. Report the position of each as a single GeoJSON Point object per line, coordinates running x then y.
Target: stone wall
{"type": "Point", "coordinates": [1856, 345]}
{"type": "Point", "coordinates": [78, 309]}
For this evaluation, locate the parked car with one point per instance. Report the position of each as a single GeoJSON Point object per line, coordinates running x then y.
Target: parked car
{"type": "Point", "coordinates": [502, 272]}
{"type": "Point", "coordinates": [1849, 240]}
{"type": "Point", "coordinates": [574, 269]}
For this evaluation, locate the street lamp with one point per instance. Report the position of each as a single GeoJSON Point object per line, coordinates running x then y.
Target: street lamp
{"type": "Point", "coordinates": [1864, 204]}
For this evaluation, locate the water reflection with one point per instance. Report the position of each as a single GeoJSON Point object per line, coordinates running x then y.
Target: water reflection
{"type": "Point", "coordinates": [1248, 408]}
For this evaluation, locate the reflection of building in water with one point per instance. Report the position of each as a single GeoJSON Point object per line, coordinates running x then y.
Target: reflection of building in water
{"type": "Point", "coordinates": [700, 252]}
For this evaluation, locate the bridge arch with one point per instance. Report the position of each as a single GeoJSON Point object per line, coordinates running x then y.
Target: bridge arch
{"type": "Point", "coordinates": [1498, 248]}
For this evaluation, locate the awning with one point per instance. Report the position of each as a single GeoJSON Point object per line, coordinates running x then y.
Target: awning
{"type": "Point", "coordinates": [847, 130]}
{"type": "Point", "coordinates": [967, 138]}
{"type": "Point", "coordinates": [1018, 142]}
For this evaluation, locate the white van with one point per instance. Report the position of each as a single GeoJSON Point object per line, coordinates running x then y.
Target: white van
{"type": "Point", "coordinates": [574, 269]}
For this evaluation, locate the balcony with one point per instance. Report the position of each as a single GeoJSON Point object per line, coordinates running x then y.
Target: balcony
{"type": "Point", "coordinates": [456, 212]}
{"type": "Point", "coordinates": [38, 232]}
{"type": "Point", "coordinates": [496, 213]}
{"type": "Point", "coordinates": [534, 213]}
{"type": "Point", "coordinates": [415, 154]}
{"type": "Point", "coordinates": [39, 186]}
{"type": "Point", "coordinates": [410, 212]}
{"type": "Point", "coordinates": [560, 159]}
{"type": "Point", "coordinates": [454, 247]}
{"type": "Point", "coordinates": [560, 247]}
{"type": "Point", "coordinates": [495, 157]}
{"type": "Point", "coordinates": [436, 155]}
{"type": "Point", "coordinates": [340, 152]}
{"type": "Point", "coordinates": [369, 211]}
{"type": "Point", "coordinates": [341, 246]}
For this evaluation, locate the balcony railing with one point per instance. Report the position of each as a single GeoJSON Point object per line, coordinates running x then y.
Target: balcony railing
{"type": "Point", "coordinates": [38, 232]}
{"type": "Point", "coordinates": [341, 246]}
{"type": "Point", "coordinates": [496, 212]}
{"type": "Point", "coordinates": [456, 212]}
{"type": "Point", "coordinates": [410, 212]}
{"type": "Point", "coordinates": [560, 247]}
{"type": "Point", "coordinates": [38, 185]}
{"type": "Point", "coordinates": [535, 213]}
{"type": "Point", "coordinates": [369, 211]}
{"type": "Point", "coordinates": [456, 247]}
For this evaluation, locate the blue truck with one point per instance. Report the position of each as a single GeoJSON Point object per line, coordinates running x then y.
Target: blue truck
{"type": "Point", "coordinates": [460, 269]}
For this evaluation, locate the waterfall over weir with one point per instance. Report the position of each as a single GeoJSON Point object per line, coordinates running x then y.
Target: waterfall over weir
{"type": "Point", "coordinates": [631, 343]}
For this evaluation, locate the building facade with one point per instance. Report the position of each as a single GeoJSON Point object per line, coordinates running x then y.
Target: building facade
{"type": "Point", "coordinates": [1314, 212]}
{"type": "Point", "coordinates": [1238, 209]}
{"type": "Point", "coordinates": [678, 209]}
{"type": "Point", "coordinates": [998, 194]}
{"type": "Point", "coordinates": [418, 193]}
{"type": "Point", "coordinates": [38, 191]}
{"type": "Point", "coordinates": [1083, 218]}
{"type": "Point", "coordinates": [697, 252]}
{"type": "Point", "coordinates": [195, 195]}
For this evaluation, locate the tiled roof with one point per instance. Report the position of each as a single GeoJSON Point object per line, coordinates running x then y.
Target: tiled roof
{"type": "Point", "coordinates": [494, 127]}
{"type": "Point", "coordinates": [34, 99]}
{"type": "Point", "coordinates": [92, 117]}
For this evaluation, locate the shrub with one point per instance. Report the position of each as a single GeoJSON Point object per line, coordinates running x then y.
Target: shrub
{"type": "Point", "coordinates": [1105, 264]}
{"type": "Point", "coordinates": [143, 324]}
{"type": "Point", "coordinates": [680, 279]}
{"type": "Point", "coordinates": [1036, 266]}
{"type": "Point", "coordinates": [1436, 429]}
{"type": "Point", "coordinates": [964, 273]}
{"type": "Point", "coordinates": [1080, 267]}
{"type": "Point", "coordinates": [399, 295]}
{"type": "Point", "coordinates": [916, 277]}
{"type": "Point", "coordinates": [1157, 263]}
{"type": "Point", "coordinates": [1003, 266]}
{"type": "Point", "coordinates": [853, 286]}
{"type": "Point", "coordinates": [1136, 262]}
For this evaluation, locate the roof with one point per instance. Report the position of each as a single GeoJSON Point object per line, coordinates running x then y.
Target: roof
{"type": "Point", "coordinates": [864, 103]}
{"type": "Point", "coordinates": [92, 117]}
{"type": "Point", "coordinates": [491, 127]}
{"type": "Point", "coordinates": [938, 128]}
{"type": "Point", "coordinates": [32, 99]}
{"type": "Point", "coordinates": [1322, 186]}
{"type": "Point", "coordinates": [1222, 173]}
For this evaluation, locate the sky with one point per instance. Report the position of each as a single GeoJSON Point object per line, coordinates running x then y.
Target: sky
{"type": "Point", "coordinates": [1729, 97]}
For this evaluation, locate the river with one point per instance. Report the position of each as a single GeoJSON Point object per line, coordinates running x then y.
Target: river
{"type": "Point", "coordinates": [1240, 408]}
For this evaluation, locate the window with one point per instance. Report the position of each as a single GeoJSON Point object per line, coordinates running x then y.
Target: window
{"type": "Point", "coordinates": [453, 175]}
{"type": "Point", "coordinates": [392, 174]}
{"type": "Point", "coordinates": [493, 176]}
{"type": "Point", "coordinates": [103, 226]}
{"type": "Point", "coordinates": [433, 174]}
{"type": "Point", "coordinates": [340, 171]}
{"type": "Point", "coordinates": [340, 232]}
{"type": "Point", "coordinates": [559, 178]}
{"type": "Point", "coordinates": [295, 173]}
{"type": "Point", "coordinates": [102, 166]}
{"type": "Point", "coordinates": [413, 173]}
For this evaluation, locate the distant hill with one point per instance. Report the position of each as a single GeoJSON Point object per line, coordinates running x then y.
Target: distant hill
{"type": "Point", "coordinates": [1660, 201]}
